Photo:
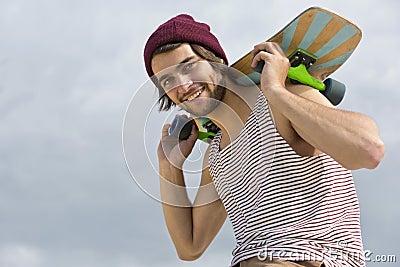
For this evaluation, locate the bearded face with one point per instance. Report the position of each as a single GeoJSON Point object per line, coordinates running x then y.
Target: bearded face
{"type": "Point", "coordinates": [193, 83]}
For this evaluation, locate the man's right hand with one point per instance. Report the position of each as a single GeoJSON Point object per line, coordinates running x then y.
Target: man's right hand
{"type": "Point", "coordinates": [173, 151]}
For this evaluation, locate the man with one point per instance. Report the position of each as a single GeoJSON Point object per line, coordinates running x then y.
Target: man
{"type": "Point", "coordinates": [279, 165]}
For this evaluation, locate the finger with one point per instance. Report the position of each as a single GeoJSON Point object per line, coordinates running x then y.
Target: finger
{"type": "Point", "coordinates": [271, 47]}
{"type": "Point", "coordinates": [257, 48]}
{"type": "Point", "coordinates": [262, 52]}
{"type": "Point", "coordinates": [262, 55]}
{"type": "Point", "coordinates": [164, 131]}
{"type": "Point", "coordinates": [193, 134]}
{"type": "Point", "coordinates": [279, 49]}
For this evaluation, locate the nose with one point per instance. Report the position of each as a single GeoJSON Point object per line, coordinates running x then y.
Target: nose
{"type": "Point", "coordinates": [184, 85]}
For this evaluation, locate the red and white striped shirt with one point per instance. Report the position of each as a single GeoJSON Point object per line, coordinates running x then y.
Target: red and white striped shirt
{"type": "Point", "coordinates": [284, 205]}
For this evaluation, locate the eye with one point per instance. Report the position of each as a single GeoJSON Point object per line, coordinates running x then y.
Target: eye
{"type": "Point", "coordinates": [189, 66]}
{"type": "Point", "coordinates": [167, 82]}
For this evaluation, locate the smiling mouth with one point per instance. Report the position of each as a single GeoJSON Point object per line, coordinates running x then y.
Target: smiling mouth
{"type": "Point", "coordinates": [195, 94]}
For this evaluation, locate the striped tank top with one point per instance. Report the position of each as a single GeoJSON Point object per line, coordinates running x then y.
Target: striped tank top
{"type": "Point", "coordinates": [284, 205]}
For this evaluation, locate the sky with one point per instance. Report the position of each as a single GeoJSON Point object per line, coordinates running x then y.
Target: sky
{"type": "Point", "coordinates": [69, 72]}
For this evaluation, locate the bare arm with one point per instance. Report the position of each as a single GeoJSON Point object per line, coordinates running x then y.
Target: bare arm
{"type": "Point", "coordinates": [350, 138]}
{"type": "Point", "coordinates": [191, 227]}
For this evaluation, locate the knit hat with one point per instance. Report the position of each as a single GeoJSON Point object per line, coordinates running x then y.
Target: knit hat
{"type": "Point", "coordinates": [180, 29]}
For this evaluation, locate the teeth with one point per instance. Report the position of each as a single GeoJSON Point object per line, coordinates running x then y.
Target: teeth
{"type": "Point", "coordinates": [195, 95]}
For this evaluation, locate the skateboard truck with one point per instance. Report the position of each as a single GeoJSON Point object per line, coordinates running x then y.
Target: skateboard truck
{"type": "Point", "coordinates": [209, 129]}
{"type": "Point", "coordinates": [301, 56]}
{"type": "Point", "coordinates": [300, 60]}
{"type": "Point", "coordinates": [182, 126]}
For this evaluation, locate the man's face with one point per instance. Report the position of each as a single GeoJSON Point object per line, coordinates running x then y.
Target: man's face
{"type": "Point", "coordinates": [189, 81]}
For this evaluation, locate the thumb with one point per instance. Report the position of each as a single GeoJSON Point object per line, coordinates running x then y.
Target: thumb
{"type": "Point", "coordinates": [193, 134]}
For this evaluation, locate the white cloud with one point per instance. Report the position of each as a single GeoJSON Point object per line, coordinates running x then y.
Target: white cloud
{"type": "Point", "coordinates": [20, 256]}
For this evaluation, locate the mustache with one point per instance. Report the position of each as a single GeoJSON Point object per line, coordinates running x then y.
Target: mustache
{"type": "Point", "coordinates": [193, 89]}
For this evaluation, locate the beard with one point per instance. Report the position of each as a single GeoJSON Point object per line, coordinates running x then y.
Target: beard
{"type": "Point", "coordinates": [205, 105]}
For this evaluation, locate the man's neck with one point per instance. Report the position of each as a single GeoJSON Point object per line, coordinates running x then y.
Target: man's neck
{"type": "Point", "coordinates": [235, 108]}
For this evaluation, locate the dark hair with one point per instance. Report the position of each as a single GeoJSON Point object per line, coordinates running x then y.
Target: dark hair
{"type": "Point", "coordinates": [164, 102]}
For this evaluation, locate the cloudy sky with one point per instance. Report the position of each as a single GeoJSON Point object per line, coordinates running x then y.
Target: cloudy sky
{"type": "Point", "coordinates": [69, 69]}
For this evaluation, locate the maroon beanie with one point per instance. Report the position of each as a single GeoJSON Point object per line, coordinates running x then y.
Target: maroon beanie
{"type": "Point", "coordinates": [181, 29]}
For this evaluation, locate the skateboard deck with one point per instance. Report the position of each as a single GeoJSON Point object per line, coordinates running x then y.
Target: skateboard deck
{"type": "Point", "coordinates": [329, 37]}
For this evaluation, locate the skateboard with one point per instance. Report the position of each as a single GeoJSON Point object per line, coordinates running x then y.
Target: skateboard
{"type": "Point", "coordinates": [317, 42]}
